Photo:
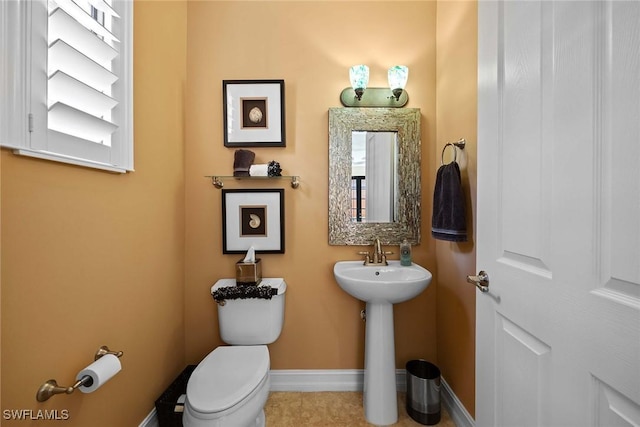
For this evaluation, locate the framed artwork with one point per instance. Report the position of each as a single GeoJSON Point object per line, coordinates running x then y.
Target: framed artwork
{"type": "Point", "coordinates": [253, 112]}
{"type": "Point", "coordinates": [253, 218]}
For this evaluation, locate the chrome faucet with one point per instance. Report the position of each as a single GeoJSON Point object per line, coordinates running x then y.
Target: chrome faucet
{"type": "Point", "coordinates": [379, 256]}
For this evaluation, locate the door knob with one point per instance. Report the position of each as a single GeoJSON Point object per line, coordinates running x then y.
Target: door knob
{"type": "Point", "coordinates": [481, 281]}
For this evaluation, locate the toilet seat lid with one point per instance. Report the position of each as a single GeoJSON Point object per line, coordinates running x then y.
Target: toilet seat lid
{"type": "Point", "coordinates": [226, 376]}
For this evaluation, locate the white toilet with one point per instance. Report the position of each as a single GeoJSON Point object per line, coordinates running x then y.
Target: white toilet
{"type": "Point", "coordinates": [230, 386]}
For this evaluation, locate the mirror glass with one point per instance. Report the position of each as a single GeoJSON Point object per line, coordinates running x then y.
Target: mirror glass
{"type": "Point", "coordinates": [374, 175]}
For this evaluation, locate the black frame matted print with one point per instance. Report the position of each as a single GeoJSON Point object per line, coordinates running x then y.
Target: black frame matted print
{"type": "Point", "coordinates": [253, 112]}
{"type": "Point", "coordinates": [253, 218]}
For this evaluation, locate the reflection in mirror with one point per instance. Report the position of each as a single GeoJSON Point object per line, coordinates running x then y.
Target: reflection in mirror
{"type": "Point", "coordinates": [380, 147]}
{"type": "Point", "coordinates": [374, 177]}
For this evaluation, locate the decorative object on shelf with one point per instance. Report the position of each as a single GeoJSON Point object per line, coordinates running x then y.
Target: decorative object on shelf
{"type": "Point", "coordinates": [253, 217]}
{"type": "Point", "coordinates": [358, 95]}
{"type": "Point", "coordinates": [242, 161]}
{"type": "Point", "coordinates": [253, 112]}
{"type": "Point", "coordinates": [274, 169]}
{"type": "Point", "coordinates": [259, 170]}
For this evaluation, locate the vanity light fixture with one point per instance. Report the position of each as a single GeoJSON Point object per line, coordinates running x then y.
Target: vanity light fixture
{"type": "Point", "coordinates": [358, 95]}
{"type": "Point", "coordinates": [359, 77]}
{"type": "Point", "coordinates": [398, 76]}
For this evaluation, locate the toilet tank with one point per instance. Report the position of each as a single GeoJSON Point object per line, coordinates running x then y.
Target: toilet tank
{"type": "Point", "coordinates": [252, 321]}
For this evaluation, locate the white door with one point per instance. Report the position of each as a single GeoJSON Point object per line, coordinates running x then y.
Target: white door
{"type": "Point", "coordinates": [558, 333]}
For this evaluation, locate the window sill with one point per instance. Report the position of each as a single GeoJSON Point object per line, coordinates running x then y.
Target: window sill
{"type": "Point", "coordinates": [47, 155]}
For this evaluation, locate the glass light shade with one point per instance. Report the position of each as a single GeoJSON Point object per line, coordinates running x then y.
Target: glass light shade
{"type": "Point", "coordinates": [398, 76]}
{"type": "Point", "coordinates": [359, 76]}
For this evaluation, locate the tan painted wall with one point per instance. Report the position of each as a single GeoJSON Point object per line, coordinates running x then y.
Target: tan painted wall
{"type": "Point", "coordinates": [456, 111]}
{"type": "Point", "coordinates": [92, 258]}
{"type": "Point", "coordinates": [310, 45]}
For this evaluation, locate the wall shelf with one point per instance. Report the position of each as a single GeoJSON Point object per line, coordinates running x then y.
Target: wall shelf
{"type": "Point", "coordinates": [217, 180]}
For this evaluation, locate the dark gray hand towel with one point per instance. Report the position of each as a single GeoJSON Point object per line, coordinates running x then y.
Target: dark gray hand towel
{"type": "Point", "coordinates": [242, 161]}
{"type": "Point", "coordinates": [449, 220]}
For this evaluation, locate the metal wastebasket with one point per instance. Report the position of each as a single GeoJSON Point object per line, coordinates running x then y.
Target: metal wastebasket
{"type": "Point", "coordinates": [423, 392]}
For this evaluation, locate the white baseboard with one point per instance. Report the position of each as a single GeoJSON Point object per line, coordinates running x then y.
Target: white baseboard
{"type": "Point", "coordinates": [316, 380]}
{"type": "Point", "coordinates": [308, 380]}
{"type": "Point", "coordinates": [151, 420]}
{"type": "Point", "coordinates": [325, 380]}
{"type": "Point", "coordinates": [454, 407]}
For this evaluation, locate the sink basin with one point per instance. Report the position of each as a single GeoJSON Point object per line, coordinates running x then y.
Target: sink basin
{"type": "Point", "coordinates": [380, 286]}
{"type": "Point", "coordinates": [392, 283]}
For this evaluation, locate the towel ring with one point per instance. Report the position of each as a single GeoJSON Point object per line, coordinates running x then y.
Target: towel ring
{"type": "Point", "coordinates": [458, 144]}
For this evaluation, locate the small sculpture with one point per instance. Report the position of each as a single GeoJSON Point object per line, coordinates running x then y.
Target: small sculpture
{"type": "Point", "coordinates": [274, 169]}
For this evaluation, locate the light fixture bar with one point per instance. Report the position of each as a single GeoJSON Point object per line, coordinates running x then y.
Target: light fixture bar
{"type": "Point", "coordinates": [373, 97]}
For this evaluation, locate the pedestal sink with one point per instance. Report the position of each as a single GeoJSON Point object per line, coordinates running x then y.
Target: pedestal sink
{"type": "Point", "coordinates": [380, 286]}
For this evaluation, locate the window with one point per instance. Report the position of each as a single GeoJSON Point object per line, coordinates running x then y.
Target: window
{"type": "Point", "coordinates": [67, 73]}
{"type": "Point", "coordinates": [358, 198]}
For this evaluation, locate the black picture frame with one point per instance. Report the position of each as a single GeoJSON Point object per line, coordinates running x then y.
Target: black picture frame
{"type": "Point", "coordinates": [253, 113]}
{"type": "Point", "coordinates": [253, 217]}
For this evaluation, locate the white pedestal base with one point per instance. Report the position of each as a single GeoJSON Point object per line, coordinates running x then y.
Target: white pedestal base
{"type": "Point", "coordinates": [380, 395]}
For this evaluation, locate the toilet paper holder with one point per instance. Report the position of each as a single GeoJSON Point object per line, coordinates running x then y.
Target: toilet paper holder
{"type": "Point", "coordinates": [51, 387]}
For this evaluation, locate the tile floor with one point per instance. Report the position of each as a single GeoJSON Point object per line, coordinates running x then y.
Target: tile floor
{"type": "Point", "coordinates": [329, 409]}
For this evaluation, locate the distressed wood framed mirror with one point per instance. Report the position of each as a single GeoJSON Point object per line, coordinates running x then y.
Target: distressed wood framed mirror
{"type": "Point", "coordinates": [374, 175]}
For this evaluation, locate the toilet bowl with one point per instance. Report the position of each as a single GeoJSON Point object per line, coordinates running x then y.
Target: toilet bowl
{"type": "Point", "coordinates": [229, 388]}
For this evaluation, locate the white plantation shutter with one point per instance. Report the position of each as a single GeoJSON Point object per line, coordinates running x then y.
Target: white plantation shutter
{"type": "Point", "coordinates": [81, 50]}
{"type": "Point", "coordinates": [80, 89]}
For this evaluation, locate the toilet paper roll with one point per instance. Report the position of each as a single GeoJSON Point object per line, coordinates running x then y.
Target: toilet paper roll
{"type": "Point", "coordinates": [100, 371]}
{"type": "Point", "coordinates": [259, 170]}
